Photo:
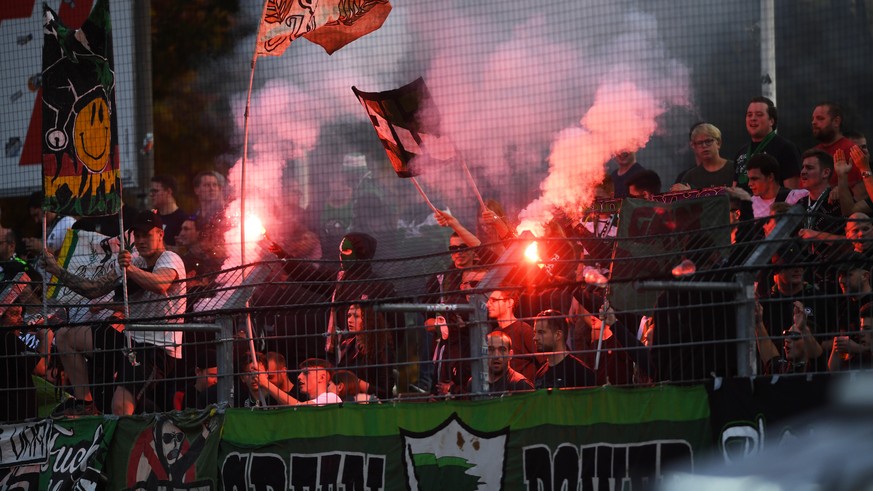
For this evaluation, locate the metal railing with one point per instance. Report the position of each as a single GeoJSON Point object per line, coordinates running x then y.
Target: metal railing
{"type": "Point", "coordinates": [704, 326]}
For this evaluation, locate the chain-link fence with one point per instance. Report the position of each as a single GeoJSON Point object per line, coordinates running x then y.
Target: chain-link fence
{"type": "Point", "coordinates": [451, 325]}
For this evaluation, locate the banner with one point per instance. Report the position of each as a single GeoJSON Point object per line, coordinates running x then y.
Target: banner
{"type": "Point", "coordinates": [80, 134]}
{"type": "Point", "coordinates": [655, 236]}
{"type": "Point", "coordinates": [331, 24]}
{"type": "Point", "coordinates": [408, 125]}
{"type": "Point", "coordinates": [55, 455]}
{"type": "Point", "coordinates": [605, 438]}
{"type": "Point", "coordinates": [174, 451]}
{"type": "Point", "coordinates": [751, 419]}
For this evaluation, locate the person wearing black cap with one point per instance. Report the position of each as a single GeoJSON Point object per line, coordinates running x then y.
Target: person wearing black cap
{"type": "Point", "coordinates": [155, 291]}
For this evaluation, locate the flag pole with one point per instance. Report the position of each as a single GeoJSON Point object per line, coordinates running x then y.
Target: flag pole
{"type": "Point", "coordinates": [472, 182]}
{"type": "Point", "coordinates": [242, 193]}
{"type": "Point", "coordinates": [421, 191]}
{"type": "Point", "coordinates": [43, 273]}
{"type": "Point", "coordinates": [131, 356]}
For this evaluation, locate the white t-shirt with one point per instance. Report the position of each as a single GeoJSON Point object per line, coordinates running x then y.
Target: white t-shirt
{"type": "Point", "coordinates": [145, 304]}
{"type": "Point", "coordinates": [325, 398]}
{"type": "Point", "coordinates": [761, 207]}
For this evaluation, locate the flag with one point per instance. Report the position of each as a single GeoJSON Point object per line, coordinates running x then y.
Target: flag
{"type": "Point", "coordinates": [331, 24]}
{"type": "Point", "coordinates": [80, 136]}
{"type": "Point", "coordinates": [408, 124]}
{"type": "Point", "coordinates": [655, 236]}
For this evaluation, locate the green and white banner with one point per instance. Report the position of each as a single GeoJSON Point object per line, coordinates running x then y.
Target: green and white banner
{"type": "Point", "coordinates": [55, 455]}
{"type": "Point", "coordinates": [605, 438]}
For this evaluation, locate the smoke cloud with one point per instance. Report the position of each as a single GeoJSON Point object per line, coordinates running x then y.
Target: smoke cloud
{"type": "Point", "coordinates": [535, 103]}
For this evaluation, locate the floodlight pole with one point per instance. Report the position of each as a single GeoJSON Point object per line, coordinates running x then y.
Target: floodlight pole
{"type": "Point", "coordinates": [767, 29]}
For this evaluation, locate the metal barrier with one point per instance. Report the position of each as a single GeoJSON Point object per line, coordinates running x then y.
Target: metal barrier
{"type": "Point", "coordinates": [290, 313]}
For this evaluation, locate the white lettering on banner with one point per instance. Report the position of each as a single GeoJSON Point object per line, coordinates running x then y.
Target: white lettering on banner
{"type": "Point", "coordinates": [603, 466]}
{"type": "Point", "coordinates": [24, 443]}
{"type": "Point", "coordinates": [332, 470]}
{"type": "Point", "coordinates": [745, 439]}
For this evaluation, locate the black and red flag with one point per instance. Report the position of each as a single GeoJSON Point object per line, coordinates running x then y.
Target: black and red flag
{"type": "Point", "coordinates": [408, 124]}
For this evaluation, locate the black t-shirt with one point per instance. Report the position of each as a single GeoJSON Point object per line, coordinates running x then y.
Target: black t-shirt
{"type": "Point", "coordinates": [779, 148]}
{"type": "Point", "coordinates": [620, 181]}
{"type": "Point", "coordinates": [569, 372]}
{"type": "Point", "coordinates": [173, 225]}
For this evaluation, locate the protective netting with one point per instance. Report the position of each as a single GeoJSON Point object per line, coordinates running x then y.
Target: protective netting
{"type": "Point", "coordinates": [519, 115]}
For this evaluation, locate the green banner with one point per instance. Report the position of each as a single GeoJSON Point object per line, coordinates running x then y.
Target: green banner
{"type": "Point", "coordinates": [541, 440]}
{"type": "Point", "coordinates": [56, 455]}
{"type": "Point", "coordinates": [174, 451]}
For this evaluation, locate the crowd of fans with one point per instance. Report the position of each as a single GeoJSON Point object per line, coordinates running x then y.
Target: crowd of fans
{"type": "Point", "coordinates": [323, 338]}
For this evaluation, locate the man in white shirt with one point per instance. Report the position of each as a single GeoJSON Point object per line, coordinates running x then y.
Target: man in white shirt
{"type": "Point", "coordinates": [763, 173]}
{"type": "Point", "coordinates": [156, 289]}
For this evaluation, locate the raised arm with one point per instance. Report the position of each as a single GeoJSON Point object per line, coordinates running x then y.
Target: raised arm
{"type": "Point", "coordinates": [445, 219]}
{"type": "Point", "coordinates": [275, 392]}
{"type": "Point", "coordinates": [862, 162]}
{"type": "Point", "coordinates": [814, 349]}
{"type": "Point", "coordinates": [844, 192]}
{"type": "Point", "coordinates": [766, 348]}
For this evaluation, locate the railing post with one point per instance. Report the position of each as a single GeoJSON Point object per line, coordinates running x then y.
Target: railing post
{"type": "Point", "coordinates": [478, 350]}
{"type": "Point", "coordinates": [224, 358]}
{"type": "Point", "coordinates": [747, 365]}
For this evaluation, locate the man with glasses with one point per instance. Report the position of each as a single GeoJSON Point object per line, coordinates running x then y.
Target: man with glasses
{"type": "Point", "coordinates": [501, 307]}
{"type": "Point", "coordinates": [802, 353]}
{"type": "Point", "coordinates": [790, 289]}
{"type": "Point", "coordinates": [712, 169]}
{"type": "Point", "coordinates": [761, 120]}
{"type": "Point", "coordinates": [562, 369]}
{"type": "Point", "coordinates": [162, 194]}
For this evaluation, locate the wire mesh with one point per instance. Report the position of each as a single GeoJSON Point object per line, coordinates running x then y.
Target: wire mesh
{"type": "Point", "coordinates": [526, 114]}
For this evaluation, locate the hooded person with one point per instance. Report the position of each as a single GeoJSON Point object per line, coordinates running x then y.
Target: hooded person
{"type": "Point", "coordinates": [355, 282]}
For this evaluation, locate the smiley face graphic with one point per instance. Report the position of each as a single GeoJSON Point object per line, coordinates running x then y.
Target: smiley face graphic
{"type": "Point", "coordinates": [92, 134]}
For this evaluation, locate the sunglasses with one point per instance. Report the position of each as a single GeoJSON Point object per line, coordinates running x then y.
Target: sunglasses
{"type": "Point", "coordinates": [170, 437]}
{"type": "Point", "coordinates": [470, 284]}
{"type": "Point", "coordinates": [792, 335]}
{"type": "Point", "coordinates": [458, 248]}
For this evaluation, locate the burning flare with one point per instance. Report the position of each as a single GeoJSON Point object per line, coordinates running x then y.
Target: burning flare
{"type": "Point", "coordinates": [532, 254]}
{"type": "Point", "coordinates": [254, 228]}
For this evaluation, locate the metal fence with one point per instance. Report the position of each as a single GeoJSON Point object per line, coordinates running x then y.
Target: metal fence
{"type": "Point", "coordinates": [418, 328]}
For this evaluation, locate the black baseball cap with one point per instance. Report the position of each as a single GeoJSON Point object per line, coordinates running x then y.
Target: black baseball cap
{"type": "Point", "coordinates": [145, 221]}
